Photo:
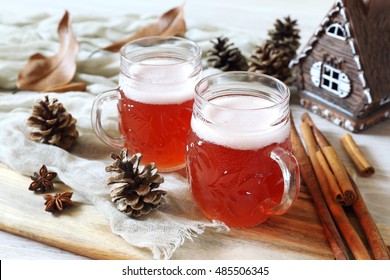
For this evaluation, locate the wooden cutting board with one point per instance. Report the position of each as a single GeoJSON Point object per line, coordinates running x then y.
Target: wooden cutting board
{"type": "Point", "coordinates": [83, 230]}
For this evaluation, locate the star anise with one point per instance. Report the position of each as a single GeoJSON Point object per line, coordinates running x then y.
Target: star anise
{"type": "Point", "coordinates": [58, 202]}
{"type": "Point", "coordinates": [42, 181]}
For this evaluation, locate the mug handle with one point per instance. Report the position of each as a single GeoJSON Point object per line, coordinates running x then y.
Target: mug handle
{"type": "Point", "coordinates": [290, 170]}
{"type": "Point", "coordinates": [96, 118]}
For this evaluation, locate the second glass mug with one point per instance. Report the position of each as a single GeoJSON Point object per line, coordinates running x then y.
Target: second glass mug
{"type": "Point", "coordinates": [239, 162]}
{"type": "Point", "coordinates": [157, 78]}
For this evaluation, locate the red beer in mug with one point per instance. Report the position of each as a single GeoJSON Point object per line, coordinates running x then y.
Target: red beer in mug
{"type": "Point", "coordinates": [159, 130]}
{"type": "Point", "coordinates": [239, 162]}
{"type": "Point", "coordinates": [155, 99]}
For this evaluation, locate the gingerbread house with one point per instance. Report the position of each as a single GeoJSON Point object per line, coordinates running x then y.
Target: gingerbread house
{"type": "Point", "coordinates": [343, 73]}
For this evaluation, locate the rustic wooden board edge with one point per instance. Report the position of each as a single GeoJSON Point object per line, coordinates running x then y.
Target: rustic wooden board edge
{"type": "Point", "coordinates": [59, 231]}
{"type": "Point", "coordinates": [46, 228]}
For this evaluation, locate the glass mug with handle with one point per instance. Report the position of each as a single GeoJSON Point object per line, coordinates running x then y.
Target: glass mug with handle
{"type": "Point", "coordinates": [239, 162]}
{"type": "Point", "coordinates": [157, 78]}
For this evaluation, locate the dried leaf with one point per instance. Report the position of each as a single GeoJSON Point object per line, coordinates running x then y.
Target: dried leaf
{"type": "Point", "coordinates": [43, 72]}
{"type": "Point", "coordinates": [69, 87]}
{"type": "Point", "coordinates": [171, 23]}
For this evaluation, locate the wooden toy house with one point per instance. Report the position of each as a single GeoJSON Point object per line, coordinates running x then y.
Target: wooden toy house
{"type": "Point", "coordinates": [343, 73]}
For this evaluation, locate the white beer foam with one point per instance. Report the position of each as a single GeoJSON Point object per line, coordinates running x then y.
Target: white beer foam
{"type": "Point", "coordinates": [241, 129]}
{"type": "Point", "coordinates": [159, 81]}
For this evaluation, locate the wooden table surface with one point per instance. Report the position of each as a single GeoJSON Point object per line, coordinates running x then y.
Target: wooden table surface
{"type": "Point", "coordinates": [254, 17]}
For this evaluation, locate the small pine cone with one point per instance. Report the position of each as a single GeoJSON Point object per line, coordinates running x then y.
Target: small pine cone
{"type": "Point", "coordinates": [54, 125]}
{"type": "Point", "coordinates": [134, 191]}
{"type": "Point", "coordinates": [223, 56]}
{"type": "Point", "coordinates": [272, 61]}
{"type": "Point", "coordinates": [286, 34]}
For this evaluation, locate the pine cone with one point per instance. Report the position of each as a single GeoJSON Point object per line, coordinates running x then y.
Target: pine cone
{"type": "Point", "coordinates": [132, 190]}
{"type": "Point", "coordinates": [286, 34]}
{"type": "Point", "coordinates": [54, 125]}
{"type": "Point", "coordinates": [273, 61]}
{"type": "Point", "coordinates": [225, 57]}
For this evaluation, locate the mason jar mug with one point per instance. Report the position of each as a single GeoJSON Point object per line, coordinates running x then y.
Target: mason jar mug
{"type": "Point", "coordinates": [154, 99]}
{"type": "Point", "coordinates": [239, 162]}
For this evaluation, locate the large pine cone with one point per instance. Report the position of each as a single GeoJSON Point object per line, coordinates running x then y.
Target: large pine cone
{"type": "Point", "coordinates": [134, 191]}
{"type": "Point", "coordinates": [225, 57]}
{"type": "Point", "coordinates": [286, 34]}
{"type": "Point", "coordinates": [273, 61]}
{"type": "Point", "coordinates": [54, 125]}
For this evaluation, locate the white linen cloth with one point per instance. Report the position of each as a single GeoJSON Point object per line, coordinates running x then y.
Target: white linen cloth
{"type": "Point", "coordinates": [83, 167]}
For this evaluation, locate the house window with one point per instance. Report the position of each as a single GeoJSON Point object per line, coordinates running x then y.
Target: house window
{"type": "Point", "coordinates": [327, 77]}
{"type": "Point", "coordinates": [330, 78]}
{"type": "Point", "coordinates": [336, 30]}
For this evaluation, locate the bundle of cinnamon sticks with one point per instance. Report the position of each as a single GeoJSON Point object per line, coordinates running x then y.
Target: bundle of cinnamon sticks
{"type": "Point", "coordinates": [333, 191]}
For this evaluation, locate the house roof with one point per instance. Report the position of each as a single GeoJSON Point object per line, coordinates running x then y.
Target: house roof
{"type": "Point", "coordinates": [367, 25]}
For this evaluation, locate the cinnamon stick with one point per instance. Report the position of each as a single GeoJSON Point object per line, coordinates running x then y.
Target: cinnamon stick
{"type": "Point", "coordinates": [363, 166]}
{"type": "Point", "coordinates": [349, 233]}
{"type": "Point", "coordinates": [375, 240]}
{"type": "Point", "coordinates": [332, 182]}
{"type": "Point", "coordinates": [309, 178]}
{"type": "Point", "coordinates": [340, 173]}
{"type": "Point", "coordinates": [343, 191]}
